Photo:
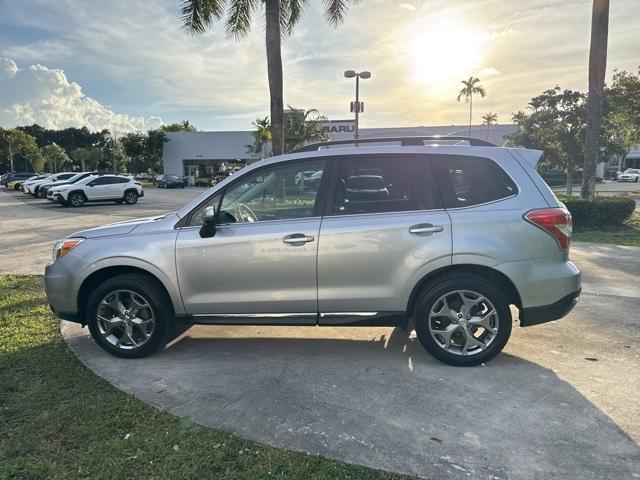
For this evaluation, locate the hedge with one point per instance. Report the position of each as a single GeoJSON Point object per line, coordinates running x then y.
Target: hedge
{"type": "Point", "coordinates": [599, 212]}
{"type": "Point", "coordinates": [556, 178]}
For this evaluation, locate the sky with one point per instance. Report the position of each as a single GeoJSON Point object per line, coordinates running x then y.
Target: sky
{"type": "Point", "coordinates": [127, 65]}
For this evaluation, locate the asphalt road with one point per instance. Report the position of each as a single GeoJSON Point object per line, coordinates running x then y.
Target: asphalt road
{"type": "Point", "coordinates": [560, 403]}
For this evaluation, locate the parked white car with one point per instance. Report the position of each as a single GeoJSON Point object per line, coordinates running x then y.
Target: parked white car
{"type": "Point", "coordinates": [97, 188]}
{"type": "Point", "coordinates": [32, 186]}
{"type": "Point", "coordinates": [629, 175]}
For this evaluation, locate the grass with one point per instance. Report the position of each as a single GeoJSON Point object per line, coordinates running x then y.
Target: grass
{"type": "Point", "coordinates": [628, 234]}
{"type": "Point", "coordinates": [60, 421]}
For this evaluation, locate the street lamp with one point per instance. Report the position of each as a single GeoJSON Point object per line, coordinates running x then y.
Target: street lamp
{"type": "Point", "coordinates": [357, 106]}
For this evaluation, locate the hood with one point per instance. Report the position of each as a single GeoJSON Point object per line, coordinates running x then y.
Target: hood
{"type": "Point", "coordinates": [57, 183]}
{"type": "Point", "coordinates": [122, 228]}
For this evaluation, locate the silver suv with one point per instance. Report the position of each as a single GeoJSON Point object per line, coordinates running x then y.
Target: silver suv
{"type": "Point", "coordinates": [442, 236]}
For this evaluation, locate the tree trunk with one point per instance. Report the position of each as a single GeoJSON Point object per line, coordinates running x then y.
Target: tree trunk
{"type": "Point", "coordinates": [10, 155]}
{"type": "Point", "coordinates": [570, 180]}
{"type": "Point", "coordinates": [274, 69]}
{"type": "Point", "coordinates": [597, 70]}
{"type": "Point", "coordinates": [470, 112]}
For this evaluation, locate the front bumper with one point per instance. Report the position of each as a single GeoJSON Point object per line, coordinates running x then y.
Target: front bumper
{"type": "Point", "coordinates": [548, 313]}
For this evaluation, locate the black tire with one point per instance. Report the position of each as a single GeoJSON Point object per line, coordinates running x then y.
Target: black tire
{"type": "Point", "coordinates": [76, 199]}
{"type": "Point", "coordinates": [450, 283]}
{"type": "Point", "coordinates": [130, 197]}
{"type": "Point", "coordinates": [40, 193]}
{"type": "Point", "coordinates": [164, 328]}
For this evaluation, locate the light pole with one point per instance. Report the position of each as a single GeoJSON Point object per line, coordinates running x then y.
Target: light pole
{"type": "Point", "coordinates": [356, 106]}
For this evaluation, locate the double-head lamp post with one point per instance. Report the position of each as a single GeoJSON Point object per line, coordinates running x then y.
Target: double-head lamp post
{"type": "Point", "coordinates": [357, 106]}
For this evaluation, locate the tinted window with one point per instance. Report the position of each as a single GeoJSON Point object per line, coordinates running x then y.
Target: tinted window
{"type": "Point", "coordinates": [102, 181]}
{"type": "Point", "coordinates": [466, 181]}
{"type": "Point", "coordinates": [120, 180]}
{"type": "Point", "coordinates": [274, 193]}
{"type": "Point", "coordinates": [373, 184]}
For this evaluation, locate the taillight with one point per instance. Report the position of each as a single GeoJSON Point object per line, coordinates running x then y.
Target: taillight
{"type": "Point", "coordinates": [554, 221]}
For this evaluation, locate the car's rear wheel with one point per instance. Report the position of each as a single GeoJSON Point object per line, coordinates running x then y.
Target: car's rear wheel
{"type": "Point", "coordinates": [129, 316]}
{"type": "Point", "coordinates": [463, 320]}
{"type": "Point", "coordinates": [76, 199]}
{"type": "Point", "coordinates": [131, 197]}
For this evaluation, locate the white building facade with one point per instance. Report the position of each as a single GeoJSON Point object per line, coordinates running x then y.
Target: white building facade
{"type": "Point", "coordinates": [193, 154]}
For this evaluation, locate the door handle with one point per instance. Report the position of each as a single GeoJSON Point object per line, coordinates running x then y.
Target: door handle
{"type": "Point", "coordinates": [298, 238]}
{"type": "Point", "coordinates": [425, 228]}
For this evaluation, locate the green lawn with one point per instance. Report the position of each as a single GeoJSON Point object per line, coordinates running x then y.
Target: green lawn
{"type": "Point", "coordinates": [59, 420]}
{"type": "Point", "coordinates": [628, 234]}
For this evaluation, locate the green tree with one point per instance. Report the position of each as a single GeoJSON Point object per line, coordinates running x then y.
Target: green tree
{"type": "Point", "coordinates": [555, 124]}
{"type": "Point", "coordinates": [489, 119]}
{"type": "Point", "coordinates": [113, 157]}
{"type": "Point", "coordinates": [597, 71]}
{"type": "Point", "coordinates": [471, 87]}
{"type": "Point", "coordinates": [302, 127]}
{"type": "Point", "coordinates": [55, 157]}
{"type": "Point", "coordinates": [87, 158]}
{"type": "Point", "coordinates": [621, 123]}
{"type": "Point", "coordinates": [133, 145]}
{"type": "Point", "coordinates": [262, 137]}
{"type": "Point", "coordinates": [183, 126]}
{"type": "Point", "coordinates": [19, 151]}
{"type": "Point", "coordinates": [280, 18]}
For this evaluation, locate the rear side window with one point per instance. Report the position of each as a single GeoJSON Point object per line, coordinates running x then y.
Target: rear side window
{"type": "Point", "coordinates": [465, 180]}
{"type": "Point", "coordinates": [377, 184]}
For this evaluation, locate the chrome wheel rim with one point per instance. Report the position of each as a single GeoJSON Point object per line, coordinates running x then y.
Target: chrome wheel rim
{"type": "Point", "coordinates": [125, 319]}
{"type": "Point", "coordinates": [76, 201]}
{"type": "Point", "coordinates": [463, 322]}
{"type": "Point", "coordinates": [131, 198]}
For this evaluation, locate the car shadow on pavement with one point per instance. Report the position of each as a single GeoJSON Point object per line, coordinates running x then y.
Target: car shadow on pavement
{"type": "Point", "coordinates": [375, 397]}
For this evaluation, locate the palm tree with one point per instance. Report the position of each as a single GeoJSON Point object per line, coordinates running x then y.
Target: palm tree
{"type": "Point", "coordinates": [262, 137]}
{"type": "Point", "coordinates": [280, 18]}
{"type": "Point", "coordinates": [471, 87]}
{"type": "Point", "coordinates": [489, 119]}
{"type": "Point", "coordinates": [597, 71]}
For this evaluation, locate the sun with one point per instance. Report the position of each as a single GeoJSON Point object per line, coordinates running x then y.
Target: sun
{"type": "Point", "coordinates": [444, 53]}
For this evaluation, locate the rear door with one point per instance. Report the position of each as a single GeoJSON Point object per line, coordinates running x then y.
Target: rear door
{"type": "Point", "coordinates": [384, 229]}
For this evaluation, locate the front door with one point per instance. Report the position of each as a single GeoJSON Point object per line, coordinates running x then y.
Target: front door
{"type": "Point", "coordinates": [99, 189]}
{"type": "Point", "coordinates": [262, 260]}
{"type": "Point", "coordinates": [384, 230]}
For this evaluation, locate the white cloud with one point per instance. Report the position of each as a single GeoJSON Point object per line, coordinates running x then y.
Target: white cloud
{"type": "Point", "coordinates": [46, 96]}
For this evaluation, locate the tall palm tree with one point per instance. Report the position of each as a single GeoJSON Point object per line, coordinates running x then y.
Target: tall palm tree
{"type": "Point", "coordinates": [597, 71]}
{"type": "Point", "coordinates": [489, 119]}
{"type": "Point", "coordinates": [280, 18]}
{"type": "Point", "coordinates": [471, 87]}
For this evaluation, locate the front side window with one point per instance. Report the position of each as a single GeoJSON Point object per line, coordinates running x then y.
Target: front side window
{"type": "Point", "coordinates": [466, 180]}
{"type": "Point", "coordinates": [281, 192]}
{"type": "Point", "coordinates": [377, 184]}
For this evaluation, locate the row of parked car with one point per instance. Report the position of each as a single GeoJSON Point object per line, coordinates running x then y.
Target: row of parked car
{"type": "Point", "coordinates": [76, 188]}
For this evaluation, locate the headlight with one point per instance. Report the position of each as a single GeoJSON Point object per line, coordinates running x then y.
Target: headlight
{"type": "Point", "coordinates": [62, 247]}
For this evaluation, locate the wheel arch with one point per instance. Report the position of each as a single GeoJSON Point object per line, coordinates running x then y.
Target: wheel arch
{"type": "Point", "coordinates": [105, 273]}
{"type": "Point", "coordinates": [494, 276]}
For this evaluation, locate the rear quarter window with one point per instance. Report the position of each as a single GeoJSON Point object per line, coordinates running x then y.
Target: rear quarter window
{"type": "Point", "coordinates": [469, 180]}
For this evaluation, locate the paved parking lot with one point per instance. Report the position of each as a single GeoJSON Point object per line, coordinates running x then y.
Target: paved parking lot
{"type": "Point", "coordinates": [31, 226]}
{"type": "Point", "coordinates": [561, 402]}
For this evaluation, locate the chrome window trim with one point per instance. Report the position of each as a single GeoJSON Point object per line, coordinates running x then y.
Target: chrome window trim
{"type": "Point", "coordinates": [351, 215]}
{"type": "Point", "coordinates": [264, 222]}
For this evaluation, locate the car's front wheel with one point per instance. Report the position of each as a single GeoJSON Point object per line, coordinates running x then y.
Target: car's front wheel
{"type": "Point", "coordinates": [76, 199]}
{"type": "Point", "coordinates": [463, 320]}
{"type": "Point", "coordinates": [129, 316]}
{"type": "Point", "coordinates": [131, 197]}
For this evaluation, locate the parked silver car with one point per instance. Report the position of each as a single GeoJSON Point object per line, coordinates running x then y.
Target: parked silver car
{"type": "Point", "coordinates": [446, 235]}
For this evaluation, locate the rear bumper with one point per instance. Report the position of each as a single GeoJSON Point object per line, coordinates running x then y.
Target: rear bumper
{"type": "Point", "coordinates": [548, 313]}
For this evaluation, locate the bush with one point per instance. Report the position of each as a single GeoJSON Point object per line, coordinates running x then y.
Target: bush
{"type": "Point", "coordinates": [599, 212]}
{"type": "Point", "coordinates": [556, 178]}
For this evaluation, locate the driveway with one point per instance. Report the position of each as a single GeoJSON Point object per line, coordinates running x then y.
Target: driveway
{"type": "Point", "coordinates": [560, 402]}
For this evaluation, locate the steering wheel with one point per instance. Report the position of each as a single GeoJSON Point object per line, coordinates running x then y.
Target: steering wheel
{"type": "Point", "coordinates": [246, 214]}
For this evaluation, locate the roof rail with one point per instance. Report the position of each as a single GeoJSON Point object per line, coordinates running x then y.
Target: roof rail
{"type": "Point", "coordinates": [404, 141]}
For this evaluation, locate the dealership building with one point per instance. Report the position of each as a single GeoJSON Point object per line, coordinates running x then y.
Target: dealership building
{"type": "Point", "coordinates": [193, 154]}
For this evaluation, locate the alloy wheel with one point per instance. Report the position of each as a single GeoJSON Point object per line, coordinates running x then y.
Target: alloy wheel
{"type": "Point", "coordinates": [463, 322]}
{"type": "Point", "coordinates": [125, 319]}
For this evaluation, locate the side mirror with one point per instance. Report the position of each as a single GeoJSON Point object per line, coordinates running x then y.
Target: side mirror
{"type": "Point", "coordinates": [208, 228]}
